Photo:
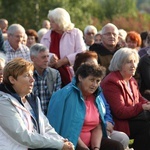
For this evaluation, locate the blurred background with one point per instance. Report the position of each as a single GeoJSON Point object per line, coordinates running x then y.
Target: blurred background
{"type": "Point", "coordinates": [126, 14]}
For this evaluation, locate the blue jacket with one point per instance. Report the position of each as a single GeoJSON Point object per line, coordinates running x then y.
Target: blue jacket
{"type": "Point", "coordinates": [66, 111]}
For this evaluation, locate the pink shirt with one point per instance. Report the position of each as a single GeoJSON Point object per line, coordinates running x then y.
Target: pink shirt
{"type": "Point", "coordinates": [71, 43]}
{"type": "Point", "coordinates": [91, 120]}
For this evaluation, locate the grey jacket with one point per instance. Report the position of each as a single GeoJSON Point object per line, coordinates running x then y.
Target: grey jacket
{"type": "Point", "coordinates": [16, 128]}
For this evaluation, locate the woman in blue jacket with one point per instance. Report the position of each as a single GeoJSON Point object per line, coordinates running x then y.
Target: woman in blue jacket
{"type": "Point", "coordinates": [77, 111]}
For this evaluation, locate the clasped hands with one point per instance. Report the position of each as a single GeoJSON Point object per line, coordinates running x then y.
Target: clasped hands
{"type": "Point", "coordinates": [146, 106]}
{"type": "Point", "coordinates": [68, 145]}
{"type": "Point", "coordinates": [56, 63]}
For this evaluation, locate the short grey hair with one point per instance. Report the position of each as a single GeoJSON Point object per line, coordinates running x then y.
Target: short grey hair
{"type": "Point", "coordinates": [37, 48]}
{"type": "Point", "coordinates": [120, 57]}
{"type": "Point", "coordinates": [109, 25]}
{"type": "Point", "coordinates": [14, 28]}
{"type": "Point", "coordinates": [90, 28]}
{"type": "Point", "coordinates": [62, 18]}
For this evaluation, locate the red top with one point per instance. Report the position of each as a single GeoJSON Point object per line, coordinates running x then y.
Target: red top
{"type": "Point", "coordinates": [91, 120]}
{"type": "Point", "coordinates": [54, 48]}
{"type": "Point", "coordinates": [124, 102]}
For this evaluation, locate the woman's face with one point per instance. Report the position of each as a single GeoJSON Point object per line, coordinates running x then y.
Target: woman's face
{"type": "Point", "coordinates": [31, 41]}
{"type": "Point", "coordinates": [129, 67]}
{"type": "Point", "coordinates": [131, 43]}
{"type": "Point", "coordinates": [89, 84]}
{"type": "Point", "coordinates": [53, 25]}
{"type": "Point", "coordinates": [23, 85]}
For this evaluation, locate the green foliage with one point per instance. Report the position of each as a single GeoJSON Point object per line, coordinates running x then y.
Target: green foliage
{"type": "Point", "coordinates": [31, 13]}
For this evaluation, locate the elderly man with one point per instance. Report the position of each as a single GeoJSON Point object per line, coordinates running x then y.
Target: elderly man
{"type": "Point", "coordinates": [13, 46]}
{"type": "Point", "coordinates": [108, 45]}
{"type": "Point", "coordinates": [89, 32]}
{"type": "Point", "coordinates": [47, 80]}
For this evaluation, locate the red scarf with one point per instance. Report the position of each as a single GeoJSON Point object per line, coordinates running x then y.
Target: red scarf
{"type": "Point", "coordinates": [54, 48]}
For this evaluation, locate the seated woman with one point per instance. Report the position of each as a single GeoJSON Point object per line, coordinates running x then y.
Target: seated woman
{"type": "Point", "coordinates": [125, 100]}
{"type": "Point", "coordinates": [92, 57]}
{"type": "Point", "coordinates": [22, 123]}
{"type": "Point", "coordinates": [76, 113]}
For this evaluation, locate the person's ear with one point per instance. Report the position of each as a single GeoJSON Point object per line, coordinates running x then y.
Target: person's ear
{"type": "Point", "coordinates": [79, 78]}
{"type": "Point", "coordinates": [32, 58]}
{"type": "Point", "coordinates": [12, 79]}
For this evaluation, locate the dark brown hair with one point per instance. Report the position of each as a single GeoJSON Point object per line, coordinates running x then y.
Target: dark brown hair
{"type": "Point", "coordinates": [83, 57]}
{"type": "Point", "coordinates": [31, 32]}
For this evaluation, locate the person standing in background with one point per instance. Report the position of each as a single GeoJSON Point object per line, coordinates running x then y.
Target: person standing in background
{"type": "Point", "coordinates": [64, 41]}
{"type": "Point", "coordinates": [89, 33]}
{"type": "Point", "coordinates": [46, 24]}
{"type": "Point", "coordinates": [108, 46]}
{"type": "Point", "coordinates": [13, 46]}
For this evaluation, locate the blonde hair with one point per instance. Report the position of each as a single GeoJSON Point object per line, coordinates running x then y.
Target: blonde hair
{"type": "Point", "coordinates": [15, 68]}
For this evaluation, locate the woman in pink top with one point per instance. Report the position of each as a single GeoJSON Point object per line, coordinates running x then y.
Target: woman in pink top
{"type": "Point", "coordinates": [64, 42]}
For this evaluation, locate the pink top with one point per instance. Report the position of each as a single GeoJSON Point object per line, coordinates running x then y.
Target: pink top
{"type": "Point", "coordinates": [92, 119]}
{"type": "Point", "coordinates": [71, 43]}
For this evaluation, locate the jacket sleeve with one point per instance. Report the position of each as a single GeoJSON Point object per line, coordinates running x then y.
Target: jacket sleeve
{"type": "Point", "coordinates": [118, 99]}
{"type": "Point", "coordinates": [56, 109]}
{"type": "Point", "coordinates": [79, 46]}
{"type": "Point", "coordinates": [108, 115]}
{"type": "Point", "coordinates": [13, 125]}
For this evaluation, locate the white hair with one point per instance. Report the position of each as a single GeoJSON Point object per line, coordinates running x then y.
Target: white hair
{"type": "Point", "coordinates": [62, 18]}
{"type": "Point", "coordinates": [120, 57]}
{"type": "Point", "coordinates": [109, 25]}
{"type": "Point", "coordinates": [90, 28]}
{"type": "Point", "coordinates": [15, 27]}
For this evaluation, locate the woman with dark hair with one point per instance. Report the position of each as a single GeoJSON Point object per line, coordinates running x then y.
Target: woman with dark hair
{"type": "Point", "coordinates": [80, 118]}
{"type": "Point", "coordinates": [32, 37]}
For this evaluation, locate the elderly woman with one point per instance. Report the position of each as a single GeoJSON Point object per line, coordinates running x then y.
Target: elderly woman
{"type": "Point", "coordinates": [81, 114]}
{"type": "Point", "coordinates": [22, 123]}
{"type": "Point", "coordinates": [64, 42]}
{"type": "Point", "coordinates": [128, 107]}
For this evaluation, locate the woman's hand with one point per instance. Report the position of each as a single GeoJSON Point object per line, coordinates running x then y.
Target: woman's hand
{"type": "Point", "coordinates": [57, 63]}
{"type": "Point", "coordinates": [68, 146]}
{"type": "Point", "coordinates": [146, 106]}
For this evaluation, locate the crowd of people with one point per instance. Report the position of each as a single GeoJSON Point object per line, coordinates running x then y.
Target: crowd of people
{"type": "Point", "coordinates": [63, 88]}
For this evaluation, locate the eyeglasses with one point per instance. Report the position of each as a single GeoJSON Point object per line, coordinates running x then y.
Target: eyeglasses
{"type": "Point", "coordinates": [90, 33]}
{"type": "Point", "coordinates": [110, 34]}
{"type": "Point", "coordinates": [17, 36]}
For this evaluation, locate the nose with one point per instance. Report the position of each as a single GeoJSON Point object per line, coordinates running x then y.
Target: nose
{"type": "Point", "coordinates": [134, 64]}
{"type": "Point", "coordinates": [32, 79]}
{"type": "Point", "coordinates": [95, 83]}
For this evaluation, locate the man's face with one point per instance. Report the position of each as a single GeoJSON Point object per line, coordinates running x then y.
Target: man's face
{"type": "Point", "coordinates": [110, 37]}
{"type": "Point", "coordinates": [15, 39]}
{"type": "Point", "coordinates": [89, 38]}
{"type": "Point", "coordinates": [41, 60]}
